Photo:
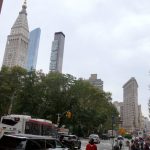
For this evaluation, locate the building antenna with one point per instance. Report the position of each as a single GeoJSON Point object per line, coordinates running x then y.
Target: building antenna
{"type": "Point", "coordinates": [25, 2]}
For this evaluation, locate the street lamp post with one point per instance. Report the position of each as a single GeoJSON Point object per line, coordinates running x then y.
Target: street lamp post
{"type": "Point", "coordinates": [58, 119]}
{"type": "Point", "coordinates": [112, 121]}
{"type": "Point", "coordinates": [112, 126]}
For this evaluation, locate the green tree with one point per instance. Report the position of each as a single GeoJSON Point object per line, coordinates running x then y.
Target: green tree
{"type": "Point", "coordinates": [31, 96]}
{"type": "Point", "coordinates": [10, 85]}
{"type": "Point", "coordinates": [47, 95]}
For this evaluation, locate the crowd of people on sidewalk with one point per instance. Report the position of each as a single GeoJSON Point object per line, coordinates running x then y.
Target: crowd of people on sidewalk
{"type": "Point", "coordinates": [136, 144]}
{"type": "Point", "coordinates": [117, 144]}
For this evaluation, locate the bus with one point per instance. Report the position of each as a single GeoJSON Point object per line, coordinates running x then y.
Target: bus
{"type": "Point", "coordinates": [24, 124]}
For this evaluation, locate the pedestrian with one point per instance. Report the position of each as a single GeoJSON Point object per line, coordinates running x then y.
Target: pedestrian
{"type": "Point", "coordinates": [116, 145]}
{"type": "Point", "coordinates": [137, 145]}
{"type": "Point", "coordinates": [133, 147]}
{"type": "Point", "coordinates": [61, 137]}
{"type": "Point", "coordinates": [128, 145]}
{"type": "Point", "coordinates": [91, 145]}
{"type": "Point", "coordinates": [120, 144]}
{"type": "Point", "coordinates": [142, 145]}
{"type": "Point", "coordinates": [146, 146]}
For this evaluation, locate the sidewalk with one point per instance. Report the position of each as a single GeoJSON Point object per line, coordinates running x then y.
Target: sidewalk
{"type": "Point", "coordinates": [124, 147]}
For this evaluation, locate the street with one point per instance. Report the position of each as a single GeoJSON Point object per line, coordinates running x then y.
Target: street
{"type": "Point", "coordinates": [104, 145]}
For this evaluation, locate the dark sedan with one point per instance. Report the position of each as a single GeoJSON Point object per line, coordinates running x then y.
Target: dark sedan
{"type": "Point", "coordinates": [71, 141]}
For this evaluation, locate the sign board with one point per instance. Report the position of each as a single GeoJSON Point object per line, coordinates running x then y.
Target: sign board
{"type": "Point", "coordinates": [140, 133]}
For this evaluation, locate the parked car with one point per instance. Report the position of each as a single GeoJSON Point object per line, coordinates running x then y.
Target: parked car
{"type": "Point", "coordinates": [30, 142]}
{"type": "Point", "coordinates": [71, 141]}
{"type": "Point", "coordinates": [105, 137]}
{"type": "Point", "coordinates": [95, 137]}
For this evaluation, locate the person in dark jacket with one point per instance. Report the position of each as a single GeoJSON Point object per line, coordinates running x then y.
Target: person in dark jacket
{"type": "Point", "coordinates": [146, 146]}
{"type": "Point", "coordinates": [133, 147]}
{"type": "Point", "coordinates": [116, 145]}
{"type": "Point", "coordinates": [120, 144]}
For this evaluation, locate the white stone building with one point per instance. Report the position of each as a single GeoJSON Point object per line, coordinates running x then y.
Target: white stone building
{"type": "Point", "coordinates": [17, 42]}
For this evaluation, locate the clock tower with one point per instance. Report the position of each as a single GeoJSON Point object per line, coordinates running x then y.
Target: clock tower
{"type": "Point", "coordinates": [17, 42]}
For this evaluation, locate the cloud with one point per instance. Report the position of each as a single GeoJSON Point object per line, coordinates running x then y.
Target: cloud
{"type": "Point", "coordinates": [107, 37]}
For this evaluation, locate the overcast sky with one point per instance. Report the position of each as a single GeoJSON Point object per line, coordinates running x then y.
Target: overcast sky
{"type": "Point", "coordinates": [107, 37]}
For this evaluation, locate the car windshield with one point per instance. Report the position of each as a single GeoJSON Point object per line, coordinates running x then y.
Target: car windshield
{"type": "Point", "coordinates": [93, 136]}
{"type": "Point", "coordinates": [9, 143]}
{"type": "Point", "coordinates": [69, 137]}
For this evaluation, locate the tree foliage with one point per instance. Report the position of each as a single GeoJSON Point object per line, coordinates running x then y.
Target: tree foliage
{"type": "Point", "coordinates": [47, 95]}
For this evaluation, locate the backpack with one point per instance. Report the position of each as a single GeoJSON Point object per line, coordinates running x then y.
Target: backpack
{"type": "Point", "coordinates": [120, 142]}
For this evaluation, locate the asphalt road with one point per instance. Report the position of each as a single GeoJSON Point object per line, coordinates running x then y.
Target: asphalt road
{"type": "Point", "coordinates": [104, 145]}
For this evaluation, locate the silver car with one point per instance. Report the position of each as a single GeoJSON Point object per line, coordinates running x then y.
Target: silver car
{"type": "Point", "coordinates": [95, 137]}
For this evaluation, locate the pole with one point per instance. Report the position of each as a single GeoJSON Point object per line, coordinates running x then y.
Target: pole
{"type": "Point", "coordinates": [112, 131]}
{"type": "Point", "coordinates": [112, 126]}
{"type": "Point", "coordinates": [58, 119]}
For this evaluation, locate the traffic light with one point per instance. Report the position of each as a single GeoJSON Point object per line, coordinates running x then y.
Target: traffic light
{"type": "Point", "coordinates": [68, 114]}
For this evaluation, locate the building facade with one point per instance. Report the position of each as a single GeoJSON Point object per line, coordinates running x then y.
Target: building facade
{"type": "Point", "coordinates": [96, 82]}
{"type": "Point", "coordinates": [56, 60]}
{"type": "Point", "coordinates": [130, 101]}
{"type": "Point", "coordinates": [140, 118]}
{"type": "Point", "coordinates": [147, 126]}
{"type": "Point", "coordinates": [119, 107]}
{"type": "Point", "coordinates": [17, 42]}
{"type": "Point", "coordinates": [1, 3]}
{"type": "Point", "coordinates": [33, 47]}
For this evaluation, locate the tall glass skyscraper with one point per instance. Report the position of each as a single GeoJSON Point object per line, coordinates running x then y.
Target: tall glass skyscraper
{"type": "Point", "coordinates": [34, 39]}
{"type": "Point", "coordinates": [57, 51]}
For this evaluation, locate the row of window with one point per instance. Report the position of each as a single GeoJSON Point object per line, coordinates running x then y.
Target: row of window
{"type": "Point", "coordinates": [38, 129]}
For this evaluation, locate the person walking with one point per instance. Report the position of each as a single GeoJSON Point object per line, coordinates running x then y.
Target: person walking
{"type": "Point", "coordinates": [120, 144]}
{"type": "Point", "coordinates": [146, 146]}
{"type": "Point", "coordinates": [133, 147]}
{"type": "Point", "coordinates": [116, 145]}
{"type": "Point", "coordinates": [91, 145]}
{"type": "Point", "coordinates": [128, 145]}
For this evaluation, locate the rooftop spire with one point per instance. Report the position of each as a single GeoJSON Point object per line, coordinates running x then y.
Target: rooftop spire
{"type": "Point", "coordinates": [24, 6]}
{"type": "Point", "coordinates": [25, 3]}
